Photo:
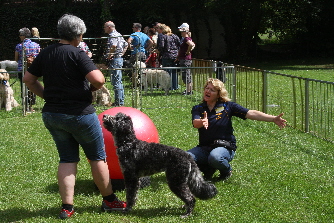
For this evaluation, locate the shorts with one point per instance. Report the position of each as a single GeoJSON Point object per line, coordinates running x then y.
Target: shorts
{"type": "Point", "coordinates": [70, 131]}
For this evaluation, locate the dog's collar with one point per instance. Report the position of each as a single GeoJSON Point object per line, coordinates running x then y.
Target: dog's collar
{"type": "Point", "coordinates": [4, 82]}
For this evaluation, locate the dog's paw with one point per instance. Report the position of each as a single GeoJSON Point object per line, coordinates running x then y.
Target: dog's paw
{"type": "Point", "coordinates": [188, 211]}
{"type": "Point", "coordinates": [185, 215]}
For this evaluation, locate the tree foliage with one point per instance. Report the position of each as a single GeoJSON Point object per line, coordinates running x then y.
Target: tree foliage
{"type": "Point", "coordinates": [289, 17]}
{"type": "Point", "coordinates": [304, 22]}
{"type": "Point", "coordinates": [44, 16]}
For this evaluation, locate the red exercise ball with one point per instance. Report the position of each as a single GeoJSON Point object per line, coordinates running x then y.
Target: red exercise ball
{"type": "Point", "coordinates": [144, 129]}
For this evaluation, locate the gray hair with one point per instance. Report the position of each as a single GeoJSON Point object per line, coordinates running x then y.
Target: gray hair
{"type": "Point", "coordinates": [25, 32]}
{"type": "Point", "coordinates": [137, 25]}
{"type": "Point", "coordinates": [70, 27]}
{"type": "Point", "coordinates": [111, 24]}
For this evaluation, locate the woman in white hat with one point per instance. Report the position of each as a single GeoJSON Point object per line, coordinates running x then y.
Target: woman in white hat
{"type": "Point", "coordinates": [184, 56]}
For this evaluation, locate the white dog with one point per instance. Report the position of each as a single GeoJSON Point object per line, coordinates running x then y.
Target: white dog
{"type": "Point", "coordinates": [7, 99]}
{"type": "Point", "coordinates": [151, 77]}
{"type": "Point", "coordinates": [8, 65]}
{"type": "Point", "coordinates": [102, 96]}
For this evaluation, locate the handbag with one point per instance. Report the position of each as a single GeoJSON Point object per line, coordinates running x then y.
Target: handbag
{"type": "Point", "coordinates": [223, 143]}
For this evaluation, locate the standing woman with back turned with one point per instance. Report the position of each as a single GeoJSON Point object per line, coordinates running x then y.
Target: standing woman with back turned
{"type": "Point", "coordinates": [35, 34]}
{"type": "Point", "coordinates": [69, 77]}
{"type": "Point", "coordinates": [168, 48]}
{"type": "Point", "coordinates": [29, 49]}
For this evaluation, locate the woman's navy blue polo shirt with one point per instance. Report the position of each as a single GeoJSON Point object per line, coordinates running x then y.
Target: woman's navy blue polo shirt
{"type": "Point", "coordinates": [220, 121]}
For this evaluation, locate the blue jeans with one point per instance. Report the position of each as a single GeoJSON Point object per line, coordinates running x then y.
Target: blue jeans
{"type": "Point", "coordinates": [172, 72]}
{"type": "Point", "coordinates": [70, 131]}
{"type": "Point", "coordinates": [218, 158]}
{"type": "Point", "coordinates": [116, 80]}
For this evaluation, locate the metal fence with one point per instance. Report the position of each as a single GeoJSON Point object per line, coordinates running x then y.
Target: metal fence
{"type": "Point", "coordinates": [308, 104]}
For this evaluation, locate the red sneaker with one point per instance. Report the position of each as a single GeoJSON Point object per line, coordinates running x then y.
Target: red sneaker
{"type": "Point", "coordinates": [65, 213]}
{"type": "Point", "coordinates": [115, 205]}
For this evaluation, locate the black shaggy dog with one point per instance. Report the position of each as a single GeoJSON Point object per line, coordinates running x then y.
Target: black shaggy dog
{"type": "Point", "coordinates": [139, 158]}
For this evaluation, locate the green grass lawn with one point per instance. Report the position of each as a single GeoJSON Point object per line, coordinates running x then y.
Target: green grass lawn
{"type": "Point", "coordinates": [279, 176]}
{"type": "Point", "coordinates": [313, 68]}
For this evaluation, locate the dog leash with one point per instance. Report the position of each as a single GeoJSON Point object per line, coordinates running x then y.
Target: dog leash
{"type": "Point", "coordinates": [12, 83]}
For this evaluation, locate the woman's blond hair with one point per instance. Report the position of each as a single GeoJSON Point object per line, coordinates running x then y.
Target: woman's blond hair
{"type": "Point", "coordinates": [162, 27]}
{"type": "Point", "coordinates": [220, 88]}
{"type": "Point", "coordinates": [168, 31]}
{"type": "Point", "coordinates": [35, 32]}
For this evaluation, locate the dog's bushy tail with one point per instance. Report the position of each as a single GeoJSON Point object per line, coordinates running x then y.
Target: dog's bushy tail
{"type": "Point", "coordinates": [198, 186]}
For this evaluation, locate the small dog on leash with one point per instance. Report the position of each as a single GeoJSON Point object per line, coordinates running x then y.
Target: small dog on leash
{"type": "Point", "coordinates": [7, 99]}
{"type": "Point", "coordinates": [102, 96]}
{"type": "Point", "coordinates": [139, 158]}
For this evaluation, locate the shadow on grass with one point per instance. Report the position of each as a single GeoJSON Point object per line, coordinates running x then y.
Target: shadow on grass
{"type": "Point", "coordinates": [157, 181]}
{"type": "Point", "coordinates": [20, 214]}
{"type": "Point", "coordinates": [83, 187]}
{"type": "Point", "coordinates": [155, 212]}
{"type": "Point", "coordinates": [295, 64]}
{"type": "Point", "coordinates": [88, 187]}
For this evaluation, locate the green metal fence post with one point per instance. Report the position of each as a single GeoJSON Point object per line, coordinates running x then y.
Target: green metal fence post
{"type": "Point", "coordinates": [234, 86]}
{"type": "Point", "coordinates": [307, 105]}
{"type": "Point", "coordinates": [264, 91]}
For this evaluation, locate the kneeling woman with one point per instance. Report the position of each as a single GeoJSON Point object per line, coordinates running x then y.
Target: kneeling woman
{"type": "Point", "coordinates": [213, 119]}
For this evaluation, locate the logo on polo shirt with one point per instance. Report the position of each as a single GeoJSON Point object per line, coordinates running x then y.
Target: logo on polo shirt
{"type": "Point", "coordinates": [220, 109]}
